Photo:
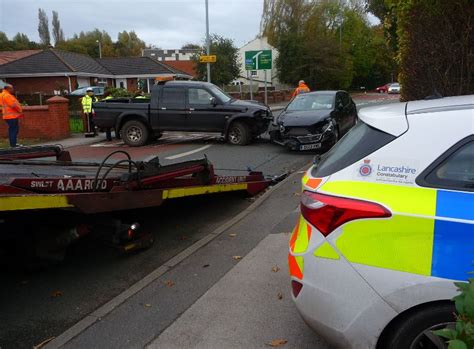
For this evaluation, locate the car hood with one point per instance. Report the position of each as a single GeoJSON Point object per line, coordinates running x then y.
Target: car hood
{"type": "Point", "coordinates": [302, 118]}
{"type": "Point", "coordinates": [248, 104]}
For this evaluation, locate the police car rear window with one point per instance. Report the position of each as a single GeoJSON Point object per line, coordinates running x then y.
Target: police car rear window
{"type": "Point", "coordinates": [359, 142]}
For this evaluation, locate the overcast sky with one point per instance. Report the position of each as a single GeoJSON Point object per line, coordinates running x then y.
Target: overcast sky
{"type": "Point", "coordinates": [164, 23]}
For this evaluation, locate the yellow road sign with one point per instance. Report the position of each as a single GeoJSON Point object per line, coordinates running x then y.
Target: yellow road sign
{"type": "Point", "coordinates": [208, 59]}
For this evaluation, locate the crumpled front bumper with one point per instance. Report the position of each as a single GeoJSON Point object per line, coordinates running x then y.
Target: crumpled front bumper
{"type": "Point", "coordinates": [306, 142]}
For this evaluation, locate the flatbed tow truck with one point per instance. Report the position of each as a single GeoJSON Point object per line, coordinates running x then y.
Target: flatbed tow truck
{"type": "Point", "coordinates": [50, 201]}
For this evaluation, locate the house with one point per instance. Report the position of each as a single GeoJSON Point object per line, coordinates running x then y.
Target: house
{"type": "Point", "coordinates": [10, 56]}
{"type": "Point", "coordinates": [53, 71]}
{"type": "Point", "coordinates": [134, 73]}
{"type": "Point", "coordinates": [258, 76]}
{"type": "Point", "coordinates": [170, 55]}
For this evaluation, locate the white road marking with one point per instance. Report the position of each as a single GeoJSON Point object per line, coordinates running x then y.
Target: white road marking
{"type": "Point", "coordinates": [177, 156]}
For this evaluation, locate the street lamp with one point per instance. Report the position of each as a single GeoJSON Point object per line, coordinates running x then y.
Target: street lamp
{"type": "Point", "coordinates": [100, 48]}
{"type": "Point", "coordinates": [207, 41]}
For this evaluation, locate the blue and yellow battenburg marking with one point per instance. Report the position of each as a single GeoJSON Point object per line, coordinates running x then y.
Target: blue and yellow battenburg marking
{"type": "Point", "coordinates": [430, 233]}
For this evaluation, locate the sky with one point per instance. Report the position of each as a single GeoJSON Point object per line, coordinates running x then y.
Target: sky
{"type": "Point", "coordinates": [168, 24]}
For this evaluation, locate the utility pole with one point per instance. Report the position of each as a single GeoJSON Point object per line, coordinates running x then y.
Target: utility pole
{"type": "Point", "coordinates": [208, 44]}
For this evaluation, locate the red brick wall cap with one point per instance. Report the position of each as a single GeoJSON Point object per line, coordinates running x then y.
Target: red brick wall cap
{"type": "Point", "coordinates": [57, 99]}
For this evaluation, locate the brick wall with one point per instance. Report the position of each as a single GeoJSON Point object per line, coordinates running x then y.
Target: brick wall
{"type": "Point", "coordinates": [48, 122]}
{"type": "Point", "coordinates": [46, 85]}
{"type": "Point", "coordinates": [273, 96]}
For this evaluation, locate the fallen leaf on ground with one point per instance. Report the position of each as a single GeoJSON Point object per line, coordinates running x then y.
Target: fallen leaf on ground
{"type": "Point", "coordinates": [237, 258]}
{"type": "Point", "coordinates": [43, 343]}
{"type": "Point", "coordinates": [56, 294]}
{"type": "Point", "coordinates": [297, 194]}
{"type": "Point", "coordinates": [232, 235]}
{"type": "Point", "coordinates": [183, 237]}
{"type": "Point", "coordinates": [276, 269]}
{"type": "Point", "coordinates": [169, 283]}
{"type": "Point", "coordinates": [280, 295]}
{"type": "Point", "coordinates": [277, 342]}
{"type": "Point", "coordinates": [206, 265]}
{"type": "Point", "coordinates": [147, 305]}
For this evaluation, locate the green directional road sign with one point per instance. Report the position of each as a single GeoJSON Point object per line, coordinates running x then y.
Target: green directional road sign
{"type": "Point", "coordinates": [258, 60]}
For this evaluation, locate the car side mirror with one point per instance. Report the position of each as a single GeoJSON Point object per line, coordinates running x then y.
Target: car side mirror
{"type": "Point", "coordinates": [213, 101]}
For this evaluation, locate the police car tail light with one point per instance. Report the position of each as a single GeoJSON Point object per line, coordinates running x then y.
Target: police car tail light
{"type": "Point", "coordinates": [327, 212]}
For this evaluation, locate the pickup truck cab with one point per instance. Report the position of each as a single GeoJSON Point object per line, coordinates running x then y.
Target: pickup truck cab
{"type": "Point", "coordinates": [183, 106]}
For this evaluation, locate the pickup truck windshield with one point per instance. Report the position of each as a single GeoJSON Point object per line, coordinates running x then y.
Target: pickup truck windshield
{"type": "Point", "coordinates": [224, 97]}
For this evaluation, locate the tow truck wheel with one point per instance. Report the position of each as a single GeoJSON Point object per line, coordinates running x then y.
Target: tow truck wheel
{"type": "Point", "coordinates": [239, 134]}
{"type": "Point", "coordinates": [135, 133]}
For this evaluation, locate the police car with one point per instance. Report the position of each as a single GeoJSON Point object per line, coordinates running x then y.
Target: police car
{"type": "Point", "coordinates": [387, 225]}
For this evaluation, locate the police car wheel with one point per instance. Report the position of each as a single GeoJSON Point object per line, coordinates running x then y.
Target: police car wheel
{"type": "Point", "coordinates": [415, 330]}
{"type": "Point", "coordinates": [135, 133]}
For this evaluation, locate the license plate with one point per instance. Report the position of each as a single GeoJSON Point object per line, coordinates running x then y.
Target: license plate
{"type": "Point", "coordinates": [310, 146]}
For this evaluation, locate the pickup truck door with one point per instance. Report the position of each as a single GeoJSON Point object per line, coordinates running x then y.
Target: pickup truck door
{"type": "Point", "coordinates": [172, 110]}
{"type": "Point", "coordinates": [203, 114]}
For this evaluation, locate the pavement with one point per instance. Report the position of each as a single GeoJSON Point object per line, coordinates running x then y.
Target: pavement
{"type": "Point", "coordinates": [230, 289]}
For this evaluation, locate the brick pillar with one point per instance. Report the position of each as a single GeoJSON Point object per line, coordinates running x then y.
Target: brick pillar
{"type": "Point", "coordinates": [59, 117]}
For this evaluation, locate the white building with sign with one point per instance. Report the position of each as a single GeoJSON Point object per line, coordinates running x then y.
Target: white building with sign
{"type": "Point", "coordinates": [258, 76]}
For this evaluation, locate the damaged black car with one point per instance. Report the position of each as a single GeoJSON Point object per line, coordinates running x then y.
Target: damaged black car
{"type": "Point", "coordinates": [314, 120]}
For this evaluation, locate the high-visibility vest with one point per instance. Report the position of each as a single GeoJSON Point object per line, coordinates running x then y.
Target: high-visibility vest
{"type": "Point", "coordinates": [87, 103]}
{"type": "Point", "coordinates": [302, 88]}
{"type": "Point", "coordinates": [11, 108]}
{"type": "Point", "coordinates": [108, 97]}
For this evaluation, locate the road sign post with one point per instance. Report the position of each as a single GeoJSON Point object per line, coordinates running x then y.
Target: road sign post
{"type": "Point", "coordinates": [258, 60]}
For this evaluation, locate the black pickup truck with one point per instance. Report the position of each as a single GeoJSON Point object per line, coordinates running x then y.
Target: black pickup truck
{"type": "Point", "coordinates": [183, 106]}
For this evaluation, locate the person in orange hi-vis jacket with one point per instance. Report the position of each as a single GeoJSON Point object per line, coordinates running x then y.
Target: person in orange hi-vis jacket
{"type": "Point", "coordinates": [302, 88]}
{"type": "Point", "coordinates": [11, 112]}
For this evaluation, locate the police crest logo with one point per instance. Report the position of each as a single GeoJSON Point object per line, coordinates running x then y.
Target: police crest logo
{"type": "Point", "coordinates": [365, 169]}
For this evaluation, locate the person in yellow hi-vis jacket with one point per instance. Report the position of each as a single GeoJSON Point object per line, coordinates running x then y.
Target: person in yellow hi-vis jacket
{"type": "Point", "coordinates": [86, 102]}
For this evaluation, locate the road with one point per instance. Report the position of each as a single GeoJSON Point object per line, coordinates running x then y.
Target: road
{"type": "Point", "coordinates": [42, 304]}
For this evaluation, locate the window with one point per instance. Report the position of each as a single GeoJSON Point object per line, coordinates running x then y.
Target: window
{"type": "Point", "coordinates": [199, 96]}
{"type": "Point", "coordinates": [254, 72]}
{"type": "Point", "coordinates": [173, 98]}
{"type": "Point", "coordinates": [311, 102]}
{"type": "Point", "coordinates": [359, 142]}
{"type": "Point", "coordinates": [224, 97]}
{"type": "Point", "coordinates": [453, 170]}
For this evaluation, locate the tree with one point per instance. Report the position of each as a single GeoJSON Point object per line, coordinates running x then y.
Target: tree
{"type": "Point", "coordinates": [88, 43]}
{"type": "Point", "coordinates": [5, 44]}
{"type": "Point", "coordinates": [226, 67]}
{"type": "Point", "coordinates": [190, 46]}
{"type": "Point", "coordinates": [434, 42]}
{"type": "Point", "coordinates": [58, 34]}
{"type": "Point", "coordinates": [129, 44]}
{"type": "Point", "coordinates": [43, 28]}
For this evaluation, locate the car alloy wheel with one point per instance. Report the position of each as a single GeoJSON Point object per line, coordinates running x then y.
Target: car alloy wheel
{"type": "Point", "coordinates": [235, 135]}
{"type": "Point", "coordinates": [134, 134]}
{"type": "Point", "coordinates": [427, 339]}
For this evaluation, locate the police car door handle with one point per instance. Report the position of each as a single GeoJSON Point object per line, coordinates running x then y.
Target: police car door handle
{"type": "Point", "coordinates": [191, 109]}
{"type": "Point", "coordinates": [163, 108]}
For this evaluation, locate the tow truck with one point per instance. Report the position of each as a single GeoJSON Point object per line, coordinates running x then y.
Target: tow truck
{"type": "Point", "coordinates": [50, 201]}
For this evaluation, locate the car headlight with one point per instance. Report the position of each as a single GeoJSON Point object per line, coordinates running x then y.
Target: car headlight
{"type": "Point", "coordinates": [328, 127]}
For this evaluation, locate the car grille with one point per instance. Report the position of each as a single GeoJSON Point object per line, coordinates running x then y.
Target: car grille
{"type": "Point", "coordinates": [309, 139]}
{"type": "Point", "coordinates": [298, 131]}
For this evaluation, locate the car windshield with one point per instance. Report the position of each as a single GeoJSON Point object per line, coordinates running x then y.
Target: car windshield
{"type": "Point", "coordinates": [311, 102]}
{"type": "Point", "coordinates": [224, 97]}
{"type": "Point", "coordinates": [395, 85]}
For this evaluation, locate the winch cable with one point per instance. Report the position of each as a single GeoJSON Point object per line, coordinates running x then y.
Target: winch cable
{"type": "Point", "coordinates": [130, 162]}
{"type": "Point", "coordinates": [102, 164]}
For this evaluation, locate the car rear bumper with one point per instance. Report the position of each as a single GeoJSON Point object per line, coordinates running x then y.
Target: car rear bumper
{"type": "Point", "coordinates": [338, 304]}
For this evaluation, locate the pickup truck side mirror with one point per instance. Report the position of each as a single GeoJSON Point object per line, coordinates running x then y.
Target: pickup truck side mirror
{"type": "Point", "coordinates": [213, 101]}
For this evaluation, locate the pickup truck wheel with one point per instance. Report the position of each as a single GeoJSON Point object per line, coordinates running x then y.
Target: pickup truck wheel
{"type": "Point", "coordinates": [239, 134]}
{"type": "Point", "coordinates": [135, 133]}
